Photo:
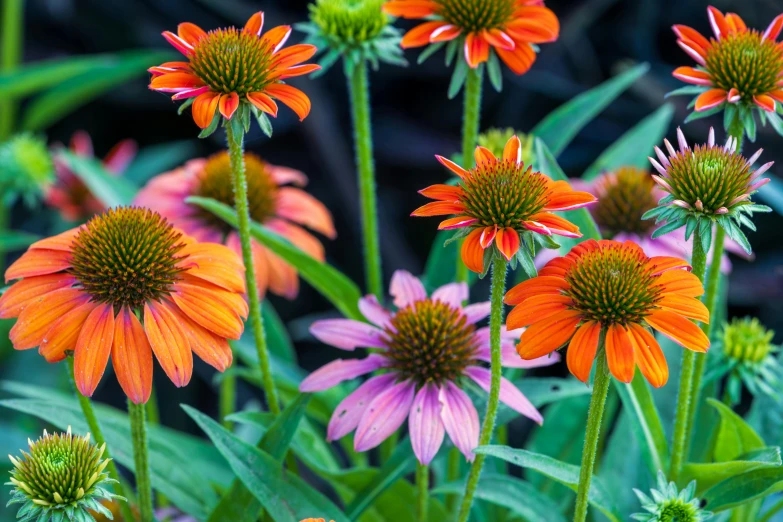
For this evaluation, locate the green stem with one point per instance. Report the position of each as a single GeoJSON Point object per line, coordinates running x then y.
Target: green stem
{"type": "Point", "coordinates": [771, 512]}
{"type": "Point", "coordinates": [737, 130]}
{"type": "Point", "coordinates": [471, 118]}
{"type": "Point", "coordinates": [97, 434]}
{"type": "Point", "coordinates": [11, 49]}
{"type": "Point", "coordinates": [239, 180]}
{"type": "Point", "coordinates": [685, 393]}
{"type": "Point", "coordinates": [359, 89]}
{"type": "Point", "coordinates": [423, 487]}
{"type": "Point", "coordinates": [452, 474]}
{"type": "Point", "coordinates": [153, 413]}
{"type": "Point", "coordinates": [498, 288]}
{"type": "Point", "coordinates": [141, 459]}
{"type": "Point", "coordinates": [592, 433]}
{"type": "Point", "coordinates": [228, 398]}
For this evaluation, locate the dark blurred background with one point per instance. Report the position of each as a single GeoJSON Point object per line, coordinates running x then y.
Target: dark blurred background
{"type": "Point", "coordinates": [412, 119]}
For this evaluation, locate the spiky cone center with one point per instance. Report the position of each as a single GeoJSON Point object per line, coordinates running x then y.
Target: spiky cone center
{"type": "Point", "coordinates": [747, 341]}
{"type": "Point", "coordinates": [708, 178]}
{"type": "Point", "coordinates": [623, 198]}
{"type": "Point", "coordinates": [231, 60]}
{"type": "Point", "coordinates": [127, 257]}
{"type": "Point", "coordinates": [677, 511]}
{"type": "Point", "coordinates": [495, 141]}
{"type": "Point", "coordinates": [747, 62]}
{"type": "Point", "coordinates": [215, 181]}
{"type": "Point", "coordinates": [473, 16]}
{"type": "Point", "coordinates": [349, 21]}
{"type": "Point", "coordinates": [60, 470]}
{"type": "Point", "coordinates": [503, 193]}
{"type": "Point", "coordinates": [612, 285]}
{"type": "Point", "coordinates": [430, 341]}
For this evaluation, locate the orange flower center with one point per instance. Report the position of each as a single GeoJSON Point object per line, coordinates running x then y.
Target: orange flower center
{"type": "Point", "coordinates": [503, 193]}
{"type": "Point", "coordinates": [230, 60]}
{"type": "Point", "coordinates": [215, 182]}
{"type": "Point", "coordinates": [746, 62]}
{"type": "Point", "coordinates": [623, 198]}
{"type": "Point", "coordinates": [612, 285]}
{"type": "Point", "coordinates": [127, 256]}
{"type": "Point", "coordinates": [473, 16]}
{"type": "Point", "coordinates": [430, 341]}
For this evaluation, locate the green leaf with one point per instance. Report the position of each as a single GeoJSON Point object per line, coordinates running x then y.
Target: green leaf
{"type": "Point", "coordinates": [633, 147]}
{"type": "Point", "coordinates": [16, 240]}
{"type": "Point", "coordinates": [708, 474]}
{"type": "Point", "coordinates": [517, 495]}
{"type": "Point", "coordinates": [564, 123]}
{"type": "Point", "coordinates": [112, 191]}
{"type": "Point", "coordinates": [743, 488]}
{"type": "Point", "coordinates": [667, 228]}
{"type": "Point", "coordinates": [286, 497]}
{"type": "Point", "coordinates": [646, 422]}
{"type": "Point", "coordinates": [734, 436]}
{"type": "Point", "coordinates": [331, 283]}
{"type": "Point", "coordinates": [566, 474]}
{"type": "Point", "coordinates": [541, 391]}
{"type": "Point", "coordinates": [495, 72]}
{"type": "Point", "coordinates": [457, 79]}
{"type": "Point", "coordinates": [277, 337]}
{"type": "Point", "coordinates": [154, 160]}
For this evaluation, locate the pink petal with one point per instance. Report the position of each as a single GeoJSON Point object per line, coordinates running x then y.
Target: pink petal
{"type": "Point", "coordinates": [347, 334]}
{"type": "Point", "coordinates": [384, 415]}
{"type": "Point", "coordinates": [406, 289]}
{"type": "Point", "coordinates": [338, 371]}
{"type": "Point", "coordinates": [452, 294]}
{"type": "Point", "coordinates": [476, 312]}
{"type": "Point", "coordinates": [693, 53]}
{"type": "Point", "coordinates": [426, 428]}
{"type": "Point", "coordinates": [348, 413]}
{"type": "Point", "coordinates": [284, 175]}
{"type": "Point", "coordinates": [460, 419]}
{"type": "Point", "coordinates": [374, 312]}
{"type": "Point", "coordinates": [509, 394]}
{"type": "Point", "coordinates": [191, 93]}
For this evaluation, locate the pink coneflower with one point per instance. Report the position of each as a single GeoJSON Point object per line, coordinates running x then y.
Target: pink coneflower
{"type": "Point", "coordinates": [422, 354]}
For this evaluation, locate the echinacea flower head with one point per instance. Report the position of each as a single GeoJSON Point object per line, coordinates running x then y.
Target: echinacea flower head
{"type": "Point", "coordinates": [480, 29]}
{"type": "Point", "coordinates": [26, 169]}
{"type": "Point", "coordinates": [707, 185]}
{"type": "Point", "coordinates": [125, 285]}
{"type": "Point", "coordinates": [610, 290]}
{"type": "Point", "coordinates": [62, 477]}
{"type": "Point", "coordinates": [740, 69]}
{"type": "Point", "coordinates": [501, 205]}
{"type": "Point", "coordinates": [234, 71]}
{"type": "Point", "coordinates": [68, 193]}
{"type": "Point", "coordinates": [495, 140]}
{"type": "Point", "coordinates": [423, 353]}
{"type": "Point", "coordinates": [285, 210]}
{"type": "Point", "coordinates": [669, 504]}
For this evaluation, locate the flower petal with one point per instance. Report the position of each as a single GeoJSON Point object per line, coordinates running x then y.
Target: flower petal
{"type": "Point", "coordinates": [347, 334]}
{"type": "Point", "coordinates": [421, 34]}
{"type": "Point", "coordinates": [483, 155]}
{"type": "Point", "coordinates": [472, 254]}
{"type": "Point", "coordinates": [548, 335]}
{"type": "Point", "coordinates": [477, 311]}
{"type": "Point", "coordinates": [773, 30]}
{"type": "Point", "coordinates": [534, 24]}
{"type": "Point", "coordinates": [387, 411]}
{"type": "Point", "coordinates": [424, 424]}
{"type": "Point", "coordinates": [680, 282]}
{"type": "Point", "coordinates": [457, 222]}
{"type": "Point", "coordinates": [537, 308]}
{"type": "Point", "coordinates": [27, 291]}
{"type": "Point", "coordinates": [512, 151]}
{"type": "Point", "coordinates": [709, 99]}
{"type": "Point", "coordinates": [263, 103]}
{"type": "Point", "coordinates": [131, 356]}
{"type": "Point", "coordinates": [204, 107]}
{"type": "Point", "coordinates": [439, 208]}
{"type": "Point", "coordinates": [509, 394]}
{"type": "Point", "coordinates": [693, 76]}
{"type": "Point", "coordinates": [93, 348]}
{"type": "Point", "coordinates": [37, 318]}
{"type": "Point", "coordinates": [556, 224]}
{"type": "Point", "coordinates": [685, 306]}
{"type": "Point", "coordinates": [191, 33]}
{"type": "Point", "coordinates": [216, 264]}
{"type": "Point", "coordinates": [453, 167]}
{"type": "Point", "coordinates": [541, 285]}
{"type": "Point", "coordinates": [374, 311]}
{"type": "Point", "coordinates": [460, 419]}
{"type": "Point", "coordinates": [662, 264]}
{"type": "Point", "coordinates": [349, 412]}
{"type": "Point", "coordinates": [619, 353]}
{"type": "Point", "coordinates": [340, 370]}
{"type": "Point", "coordinates": [176, 82]}
{"type": "Point", "coordinates": [476, 49]}
{"type": "Point", "coordinates": [520, 60]}
{"type": "Point", "coordinates": [453, 294]}
{"type": "Point", "coordinates": [37, 262]}
{"type": "Point", "coordinates": [228, 104]}
{"type": "Point", "coordinates": [406, 289]}
{"type": "Point", "coordinates": [169, 341]}
{"type": "Point", "coordinates": [765, 102]}
{"type": "Point", "coordinates": [443, 192]}
{"type": "Point", "coordinates": [581, 350]}
{"type": "Point", "coordinates": [411, 8]}
{"type": "Point", "coordinates": [679, 329]}
{"type": "Point", "coordinates": [217, 310]}
{"type": "Point", "coordinates": [255, 24]}
{"type": "Point", "coordinates": [507, 241]}
{"type": "Point", "coordinates": [64, 332]}
{"type": "Point", "coordinates": [295, 99]}
{"type": "Point", "coordinates": [648, 355]}
{"type": "Point", "coordinates": [300, 207]}
{"type": "Point", "coordinates": [276, 37]}
{"type": "Point", "coordinates": [211, 348]}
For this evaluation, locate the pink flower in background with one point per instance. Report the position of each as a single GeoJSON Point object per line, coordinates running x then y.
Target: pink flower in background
{"type": "Point", "coordinates": [422, 355]}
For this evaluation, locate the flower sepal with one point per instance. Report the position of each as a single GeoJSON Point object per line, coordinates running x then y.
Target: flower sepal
{"type": "Point", "coordinates": [668, 503]}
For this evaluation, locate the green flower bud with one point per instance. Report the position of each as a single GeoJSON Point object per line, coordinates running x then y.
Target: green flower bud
{"type": "Point", "coordinates": [349, 21]}
{"type": "Point", "coordinates": [668, 504]}
{"type": "Point", "coordinates": [26, 168]}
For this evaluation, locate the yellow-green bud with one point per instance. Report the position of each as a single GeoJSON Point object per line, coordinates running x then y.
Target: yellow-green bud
{"type": "Point", "coordinates": [26, 168]}
{"type": "Point", "coordinates": [747, 341]}
{"type": "Point", "coordinates": [349, 22]}
{"type": "Point", "coordinates": [495, 140]}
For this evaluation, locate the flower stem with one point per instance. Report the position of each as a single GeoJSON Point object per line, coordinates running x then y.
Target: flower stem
{"type": "Point", "coordinates": [359, 89]}
{"type": "Point", "coordinates": [594, 418]}
{"type": "Point", "coordinates": [471, 118]}
{"type": "Point", "coordinates": [142, 460]}
{"type": "Point", "coordinates": [239, 180]}
{"type": "Point", "coordinates": [498, 288]}
{"type": "Point", "coordinates": [97, 434]}
{"type": "Point", "coordinates": [11, 49]}
{"type": "Point", "coordinates": [423, 486]}
{"type": "Point", "coordinates": [228, 398]}
{"type": "Point", "coordinates": [685, 393]}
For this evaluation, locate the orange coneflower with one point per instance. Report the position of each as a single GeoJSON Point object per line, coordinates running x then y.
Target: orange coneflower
{"type": "Point", "coordinates": [229, 67]}
{"type": "Point", "coordinates": [612, 289]}
{"type": "Point", "coordinates": [500, 200]}
{"type": "Point", "coordinates": [127, 284]}
{"type": "Point", "coordinates": [509, 27]}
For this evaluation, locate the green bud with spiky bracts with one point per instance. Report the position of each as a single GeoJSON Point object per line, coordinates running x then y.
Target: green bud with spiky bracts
{"type": "Point", "coordinates": [26, 169]}
{"type": "Point", "coordinates": [668, 504]}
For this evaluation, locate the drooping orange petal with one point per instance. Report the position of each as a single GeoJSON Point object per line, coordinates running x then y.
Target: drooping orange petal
{"type": "Point", "coordinates": [534, 24]}
{"type": "Point", "coordinates": [93, 348]}
{"type": "Point", "coordinates": [765, 102]}
{"type": "Point", "coordinates": [476, 49]}
{"type": "Point", "coordinates": [661, 264]}
{"type": "Point", "coordinates": [28, 290]}
{"type": "Point", "coordinates": [520, 60]}
{"type": "Point", "coordinates": [581, 350]}
{"type": "Point", "coordinates": [228, 104]}
{"type": "Point", "coordinates": [443, 192]}
{"type": "Point", "coordinates": [295, 99]}
{"type": "Point", "coordinates": [301, 238]}
{"type": "Point", "coordinates": [498, 39]}
{"type": "Point", "coordinates": [488, 236]}
{"type": "Point", "coordinates": [411, 8]}
{"type": "Point", "coordinates": [439, 208]}
{"type": "Point", "coordinates": [62, 241]}
{"type": "Point", "coordinates": [540, 285]}
{"type": "Point", "coordinates": [293, 55]}
{"type": "Point", "coordinates": [680, 282]}
{"type": "Point", "coordinates": [263, 103]}
{"type": "Point", "coordinates": [283, 279]}
{"type": "Point", "coordinates": [212, 307]}
{"type": "Point", "coordinates": [619, 353]}
{"type": "Point", "coordinates": [453, 167]}
{"type": "Point", "coordinates": [507, 241]}
{"type": "Point", "coordinates": [536, 308]}
{"type": "Point", "coordinates": [457, 222]}
{"type": "Point", "coordinates": [556, 224]}
{"type": "Point", "coordinates": [300, 207]}
{"type": "Point", "coordinates": [773, 29]}
{"type": "Point", "coordinates": [204, 107]}
{"type": "Point", "coordinates": [261, 265]}
{"type": "Point", "coordinates": [693, 76]}
{"type": "Point", "coordinates": [546, 336]}
{"type": "Point", "coordinates": [472, 254]}
{"type": "Point", "coordinates": [678, 329]}
{"type": "Point", "coordinates": [131, 356]}
{"type": "Point", "coordinates": [686, 306]}
{"type": "Point", "coordinates": [175, 81]}
{"type": "Point", "coordinates": [212, 349]}
{"type": "Point", "coordinates": [169, 341]}
{"type": "Point", "coordinates": [36, 319]}
{"type": "Point", "coordinates": [255, 23]}
{"type": "Point", "coordinates": [64, 332]}
{"type": "Point", "coordinates": [778, 94]}
{"type": "Point", "coordinates": [215, 263]}
{"type": "Point", "coordinates": [709, 99]}
{"type": "Point", "coordinates": [648, 355]}
{"type": "Point", "coordinates": [38, 262]}
{"type": "Point", "coordinates": [191, 33]}
{"type": "Point", "coordinates": [445, 33]}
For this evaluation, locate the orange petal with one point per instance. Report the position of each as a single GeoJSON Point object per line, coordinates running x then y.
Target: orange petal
{"type": "Point", "coordinates": [483, 155]}
{"type": "Point", "coordinates": [498, 39]}
{"type": "Point", "coordinates": [541, 285]}
{"type": "Point", "coordinates": [411, 8]}
{"type": "Point", "coordinates": [536, 308]}
{"type": "Point", "coordinates": [301, 238]}
{"type": "Point", "coordinates": [581, 350]}
{"type": "Point", "coordinates": [488, 236]}
{"type": "Point", "coordinates": [567, 199]}
{"type": "Point", "coordinates": [534, 24]}
{"type": "Point", "coordinates": [778, 94]}
{"type": "Point", "coordinates": [212, 349]}
{"type": "Point", "coordinates": [457, 222]}
{"type": "Point", "coordinates": [472, 254]}
{"type": "Point", "coordinates": [512, 151]}
{"type": "Point", "coordinates": [191, 33]}
{"type": "Point", "coordinates": [228, 104]}
{"type": "Point", "coordinates": [709, 99]}
{"type": "Point", "coordinates": [215, 263]}
{"type": "Point", "coordinates": [255, 23]}
{"type": "Point", "coordinates": [556, 267]}
{"type": "Point", "coordinates": [295, 99]}
{"type": "Point", "coordinates": [520, 60]}
{"type": "Point", "coordinates": [443, 192]}
{"type": "Point", "coordinates": [648, 355]}
{"type": "Point", "coordinates": [719, 24]}
{"type": "Point", "coordinates": [678, 329]}
{"type": "Point", "coordinates": [277, 36]}
{"type": "Point", "coordinates": [439, 208]}
{"type": "Point", "coordinates": [476, 49]}
{"type": "Point", "coordinates": [38, 262]}
{"type": "Point", "coordinates": [661, 264]}
{"type": "Point", "coordinates": [507, 241]}
{"type": "Point", "coordinates": [261, 266]}
{"type": "Point", "coordinates": [735, 23]}
{"type": "Point", "coordinates": [263, 103]}
{"type": "Point", "coordinates": [293, 55]}
{"type": "Point", "coordinates": [175, 82]}
{"type": "Point", "coordinates": [63, 241]}
{"type": "Point", "coordinates": [765, 102]}
{"type": "Point", "coordinates": [694, 76]}
{"type": "Point", "coordinates": [212, 307]}
{"type": "Point", "coordinates": [28, 290]}
{"type": "Point", "coordinates": [64, 332]}
{"type": "Point", "coordinates": [283, 279]}
{"type": "Point", "coordinates": [680, 282]}
{"type": "Point", "coordinates": [445, 33]}
{"type": "Point", "coordinates": [685, 306]}
{"type": "Point", "coordinates": [688, 33]}
{"type": "Point", "coordinates": [619, 353]}
{"type": "Point", "coordinates": [36, 319]}
{"type": "Point", "coordinates": [131, 356]}
{"type": "Point", "coordinates": [204, 107]}
{"type": "Point", "coordinates": [556, 224]}
{"type": "Point", "coordinates": [93, 348]}
{"type": "Point", "coordinates": [421, 34]}
{"type": "Point", "coordinates": [300, 207]}
{"type": "Point", "coordinates": [453, 167]}
{"type": "Point", "coordinates": [169, 342]}
{"type": "Point", "coordinates": [547, 335]}
{"type": "Point", "coordinates": [299, 70]}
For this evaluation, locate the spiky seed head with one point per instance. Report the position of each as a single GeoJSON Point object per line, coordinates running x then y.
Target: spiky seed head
{"type": "Point", "coordinates": [473, 16]}
{"type": "Point", "coordinates": [624, 196]}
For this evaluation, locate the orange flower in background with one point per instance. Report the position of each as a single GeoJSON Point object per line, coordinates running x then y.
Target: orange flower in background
{"type": "Point", "coordinates": [228, 67]}
{"type": "Point", "coordinates": [499, 200]}
{"type": "Point", "coordinates": [125, 285]}
{"type": "Point", "coordinates": [283, 209]}
{"type": "Point", "coordinates": [508, 27]}
{"type": "Point", "coordinates": [610, 288]}
{"type": "Point", "coordinates": [739, 65]}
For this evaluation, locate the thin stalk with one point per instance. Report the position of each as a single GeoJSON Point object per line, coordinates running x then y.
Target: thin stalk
{"type": "Point", "coordinates": [228, 398]}
{"type": "Point", "coordinates": [239, 180]}
{"type": "Point", "coordinates": [423, 496]}
{"type": "Point", "coordinates": [498, 288]}
{"type": "Point", "coordinates": [359, 89]}
{"type": "Point", "coordinates": [685, 393]}
{"type": "Point", "coordinates": [97, 434]}
{"type": "Point", "coordinates": [471, 120]}
{"type": "Point", "coordinates": [11, 49]}
{"type": "Point", "coordinates": [153, 413]}
{"type": "Point", "coordinates": [141, 458]}
{"type": "Point", "coordinates": [592, 434]}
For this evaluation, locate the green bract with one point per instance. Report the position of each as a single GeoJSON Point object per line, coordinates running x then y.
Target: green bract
{"type": "Point", "coordinates": [670, 505]}
{"type": "Point", "coordinates": [26, 169]}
